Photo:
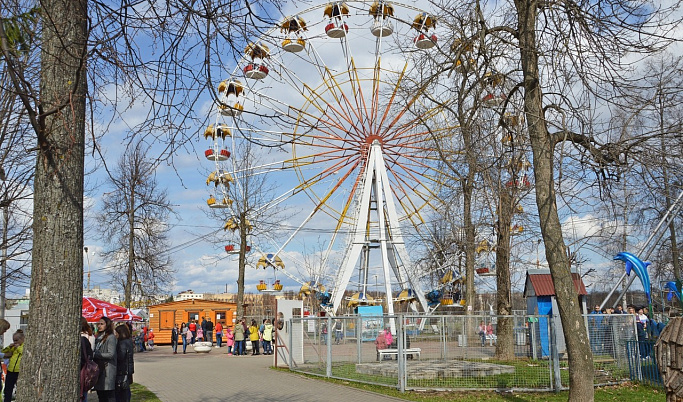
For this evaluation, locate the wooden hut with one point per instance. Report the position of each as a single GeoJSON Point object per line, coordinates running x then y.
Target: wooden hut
{"type": "Point", "coordinates": [163, 316]}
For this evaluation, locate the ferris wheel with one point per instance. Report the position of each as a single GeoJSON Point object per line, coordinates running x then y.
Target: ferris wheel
{"type": "Point", "coordinates": [332, 98]}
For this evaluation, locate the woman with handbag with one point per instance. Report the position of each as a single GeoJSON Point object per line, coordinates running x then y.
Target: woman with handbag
{"type": "Point", "coordinates": [105, 357]}
{"type": "Point", "coordinates": [124, 364]}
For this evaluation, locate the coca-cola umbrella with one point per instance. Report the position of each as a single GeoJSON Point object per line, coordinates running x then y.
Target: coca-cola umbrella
{"type": "Point", "coordinates": [94, 309]}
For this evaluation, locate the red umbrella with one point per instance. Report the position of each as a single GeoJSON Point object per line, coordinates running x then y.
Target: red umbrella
{"type": "Point", "coordinates": [94, 309]}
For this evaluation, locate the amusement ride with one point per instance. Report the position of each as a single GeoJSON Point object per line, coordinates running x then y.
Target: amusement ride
{"type": "Point", "coordinates": [333, 98]}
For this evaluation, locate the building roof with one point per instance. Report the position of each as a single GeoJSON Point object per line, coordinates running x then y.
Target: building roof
{"type": "Point", "coordinates": [191, 302]}
{"type": "Point", "coordinates": [541, 283]}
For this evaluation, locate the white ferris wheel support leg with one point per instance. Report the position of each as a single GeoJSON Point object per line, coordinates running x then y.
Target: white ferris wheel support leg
{"type": "Point", "coordinates": [391, 239]}
{"type": "Point", "coordinates": [395, 236]}
{"type": "Point", "coordinates": [359, 240]}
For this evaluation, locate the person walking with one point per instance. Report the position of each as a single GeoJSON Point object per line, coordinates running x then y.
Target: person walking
{"type": "Point", "coordinates": [15, 352]}
{"type": "Point", "coordinates": [183, 334]}
{"type": "Point", "coordinates": [124, 363]}
{"type": "Point", "coordinates": [254, 337]}
{"type": "Point", "coordinates": [105, 357]}
{"type": "Point", "coordinates": [219, 334]}
{"type": "Point", "coordinates": [208, 333]}
{"type": "Point", "coordinates": [229, 340]}
{"type": "Point", "coordinates": [239, 339]}
{"type": "Point", "coordinates": [174, 339]}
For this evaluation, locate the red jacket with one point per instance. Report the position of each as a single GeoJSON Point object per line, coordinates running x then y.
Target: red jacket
{"type": "Point", "coordinates": [192, 327]}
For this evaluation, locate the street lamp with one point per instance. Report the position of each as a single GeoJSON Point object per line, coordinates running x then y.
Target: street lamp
{"type": "Point", "coordinates": [376, 287]}
{"type": "Point", "coordinates": [87, 257]}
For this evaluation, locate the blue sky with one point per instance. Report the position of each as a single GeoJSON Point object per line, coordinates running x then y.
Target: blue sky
{"type": "Point", "coordinates": [197, 240]}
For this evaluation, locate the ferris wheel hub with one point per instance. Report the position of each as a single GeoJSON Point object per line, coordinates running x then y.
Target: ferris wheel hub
{"type": "Point", "coordinates": [370, 139]}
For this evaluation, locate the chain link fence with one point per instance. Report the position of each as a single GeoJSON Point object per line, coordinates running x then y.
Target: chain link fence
{"type": "Point", "coordinates": [523, 353]}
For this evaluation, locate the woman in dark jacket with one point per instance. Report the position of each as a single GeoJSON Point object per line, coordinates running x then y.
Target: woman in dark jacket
{"type": "Point", "coordinates": [124, 363]}
{"type": "Point", "coordinates": [105, 357]}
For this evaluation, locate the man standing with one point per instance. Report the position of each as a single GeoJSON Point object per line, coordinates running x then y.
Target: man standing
{"type": "Point", "coordinates": [203, 326]}
{"type": "Point", "coordinates": [208, 333]}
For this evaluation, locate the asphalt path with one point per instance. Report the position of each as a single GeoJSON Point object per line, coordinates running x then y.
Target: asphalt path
{"type": "Point", "coordinates": [217, 377]}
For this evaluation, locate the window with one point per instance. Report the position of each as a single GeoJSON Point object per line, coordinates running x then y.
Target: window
{"type": "Point", "coordinates": [166, 319]}
{"type": "Point", "coordinates": [192, 315]}
{"type": "Point", "coordinates": [23, 321]}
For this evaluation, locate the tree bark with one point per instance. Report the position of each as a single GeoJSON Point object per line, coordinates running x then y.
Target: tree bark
{"type": "Point", "coordinates": [580, 356]}
{"type": "Point", "coordinates": [49, 368]}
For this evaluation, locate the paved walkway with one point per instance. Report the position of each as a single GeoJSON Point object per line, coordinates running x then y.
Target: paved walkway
{"type": "Point", "coordinates": [218, 377]}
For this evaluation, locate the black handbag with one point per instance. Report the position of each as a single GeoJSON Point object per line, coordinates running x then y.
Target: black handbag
{"type": "Point", "coordinates": [122, 382]}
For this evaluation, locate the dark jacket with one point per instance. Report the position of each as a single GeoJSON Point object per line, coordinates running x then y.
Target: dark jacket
{"type": "Point", "coordinates": [209, 325]}
{"type": "Point", "coordinates": [86, 351]}
{"type": "Point", "coordinates": [174, 334]}
{"type": "Point", "coordinates": [124, 358]}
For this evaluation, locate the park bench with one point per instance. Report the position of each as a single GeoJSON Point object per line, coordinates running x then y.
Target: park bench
{"type": "Point", "coordinates": [391, 352]}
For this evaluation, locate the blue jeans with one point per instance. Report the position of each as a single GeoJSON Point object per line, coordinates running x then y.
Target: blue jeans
{"type": "Point", "coordinates": [219, 339]}
{"type": "Point", "coordinates": [174, 346]}
{"type": "Point", "coordinates": [184, 344]}
{"type": "Point", "coordinates": [239, 347]}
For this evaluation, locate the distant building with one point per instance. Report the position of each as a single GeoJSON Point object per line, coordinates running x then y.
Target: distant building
{"type": "Point", "coordinates": [189, 295]}
{"type": "Point", "coordinates": [17, 316]}
{"type": "Point", "coordinates": [224, 297]}
{"type": "Point", "coordinates": [108, 295]}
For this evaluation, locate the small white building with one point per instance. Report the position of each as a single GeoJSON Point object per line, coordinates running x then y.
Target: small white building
{"type": "Point", "coordinates": [189, 295]}
{"type": "Point", "coordinates": [17, 316]}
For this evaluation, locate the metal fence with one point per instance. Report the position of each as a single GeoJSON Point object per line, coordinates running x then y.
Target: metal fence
{"type": "Point", "coordinates": [450, 352]}
{"type": "Point", "coordinates": [642, 364]}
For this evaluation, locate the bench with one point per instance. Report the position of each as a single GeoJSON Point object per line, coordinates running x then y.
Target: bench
{"type": "Point", "coordinates": [390, 352]}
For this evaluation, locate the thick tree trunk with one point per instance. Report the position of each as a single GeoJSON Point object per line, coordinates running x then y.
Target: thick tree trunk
{"type": "Point", "coordinates": [505, 346]}
{"type": "Point", "coordinates": [581, 370]}
{"type": "Point", "coordinates": [49, 367]}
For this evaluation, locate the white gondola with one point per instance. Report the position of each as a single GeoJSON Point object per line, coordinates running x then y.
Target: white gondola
{"type": "Point", "coordinates": [293, 45]}
{"type": "Point", "coordinates": [382, 28]}
{"type": "Point", "coordinates": [256, 71]}
{"type": "Point", "coordinates": [231, 111]}
{"type": "Point", "coordinates": [423, 41]}
{"type": "Point", "coordinates": [221, 155]}
{"type": "Point", "coordinates": [336, 29]}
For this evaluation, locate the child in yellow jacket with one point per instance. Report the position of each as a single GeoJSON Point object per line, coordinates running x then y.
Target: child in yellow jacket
{"type": "Point", "coordinates": [15, 351]}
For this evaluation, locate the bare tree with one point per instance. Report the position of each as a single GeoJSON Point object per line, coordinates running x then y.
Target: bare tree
{"type": "Point", "coordinates": [136, 213]}
{"type": "Point", "coordinates": [77, 41]}
{"type": "Point", "coordinates": [253, 214]}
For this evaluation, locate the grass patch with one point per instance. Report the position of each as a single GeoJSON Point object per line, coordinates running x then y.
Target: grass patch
{"type": "Point", "coordinates": [627, 392]}
{"type": "Point", "coordinates": [141, 394]}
